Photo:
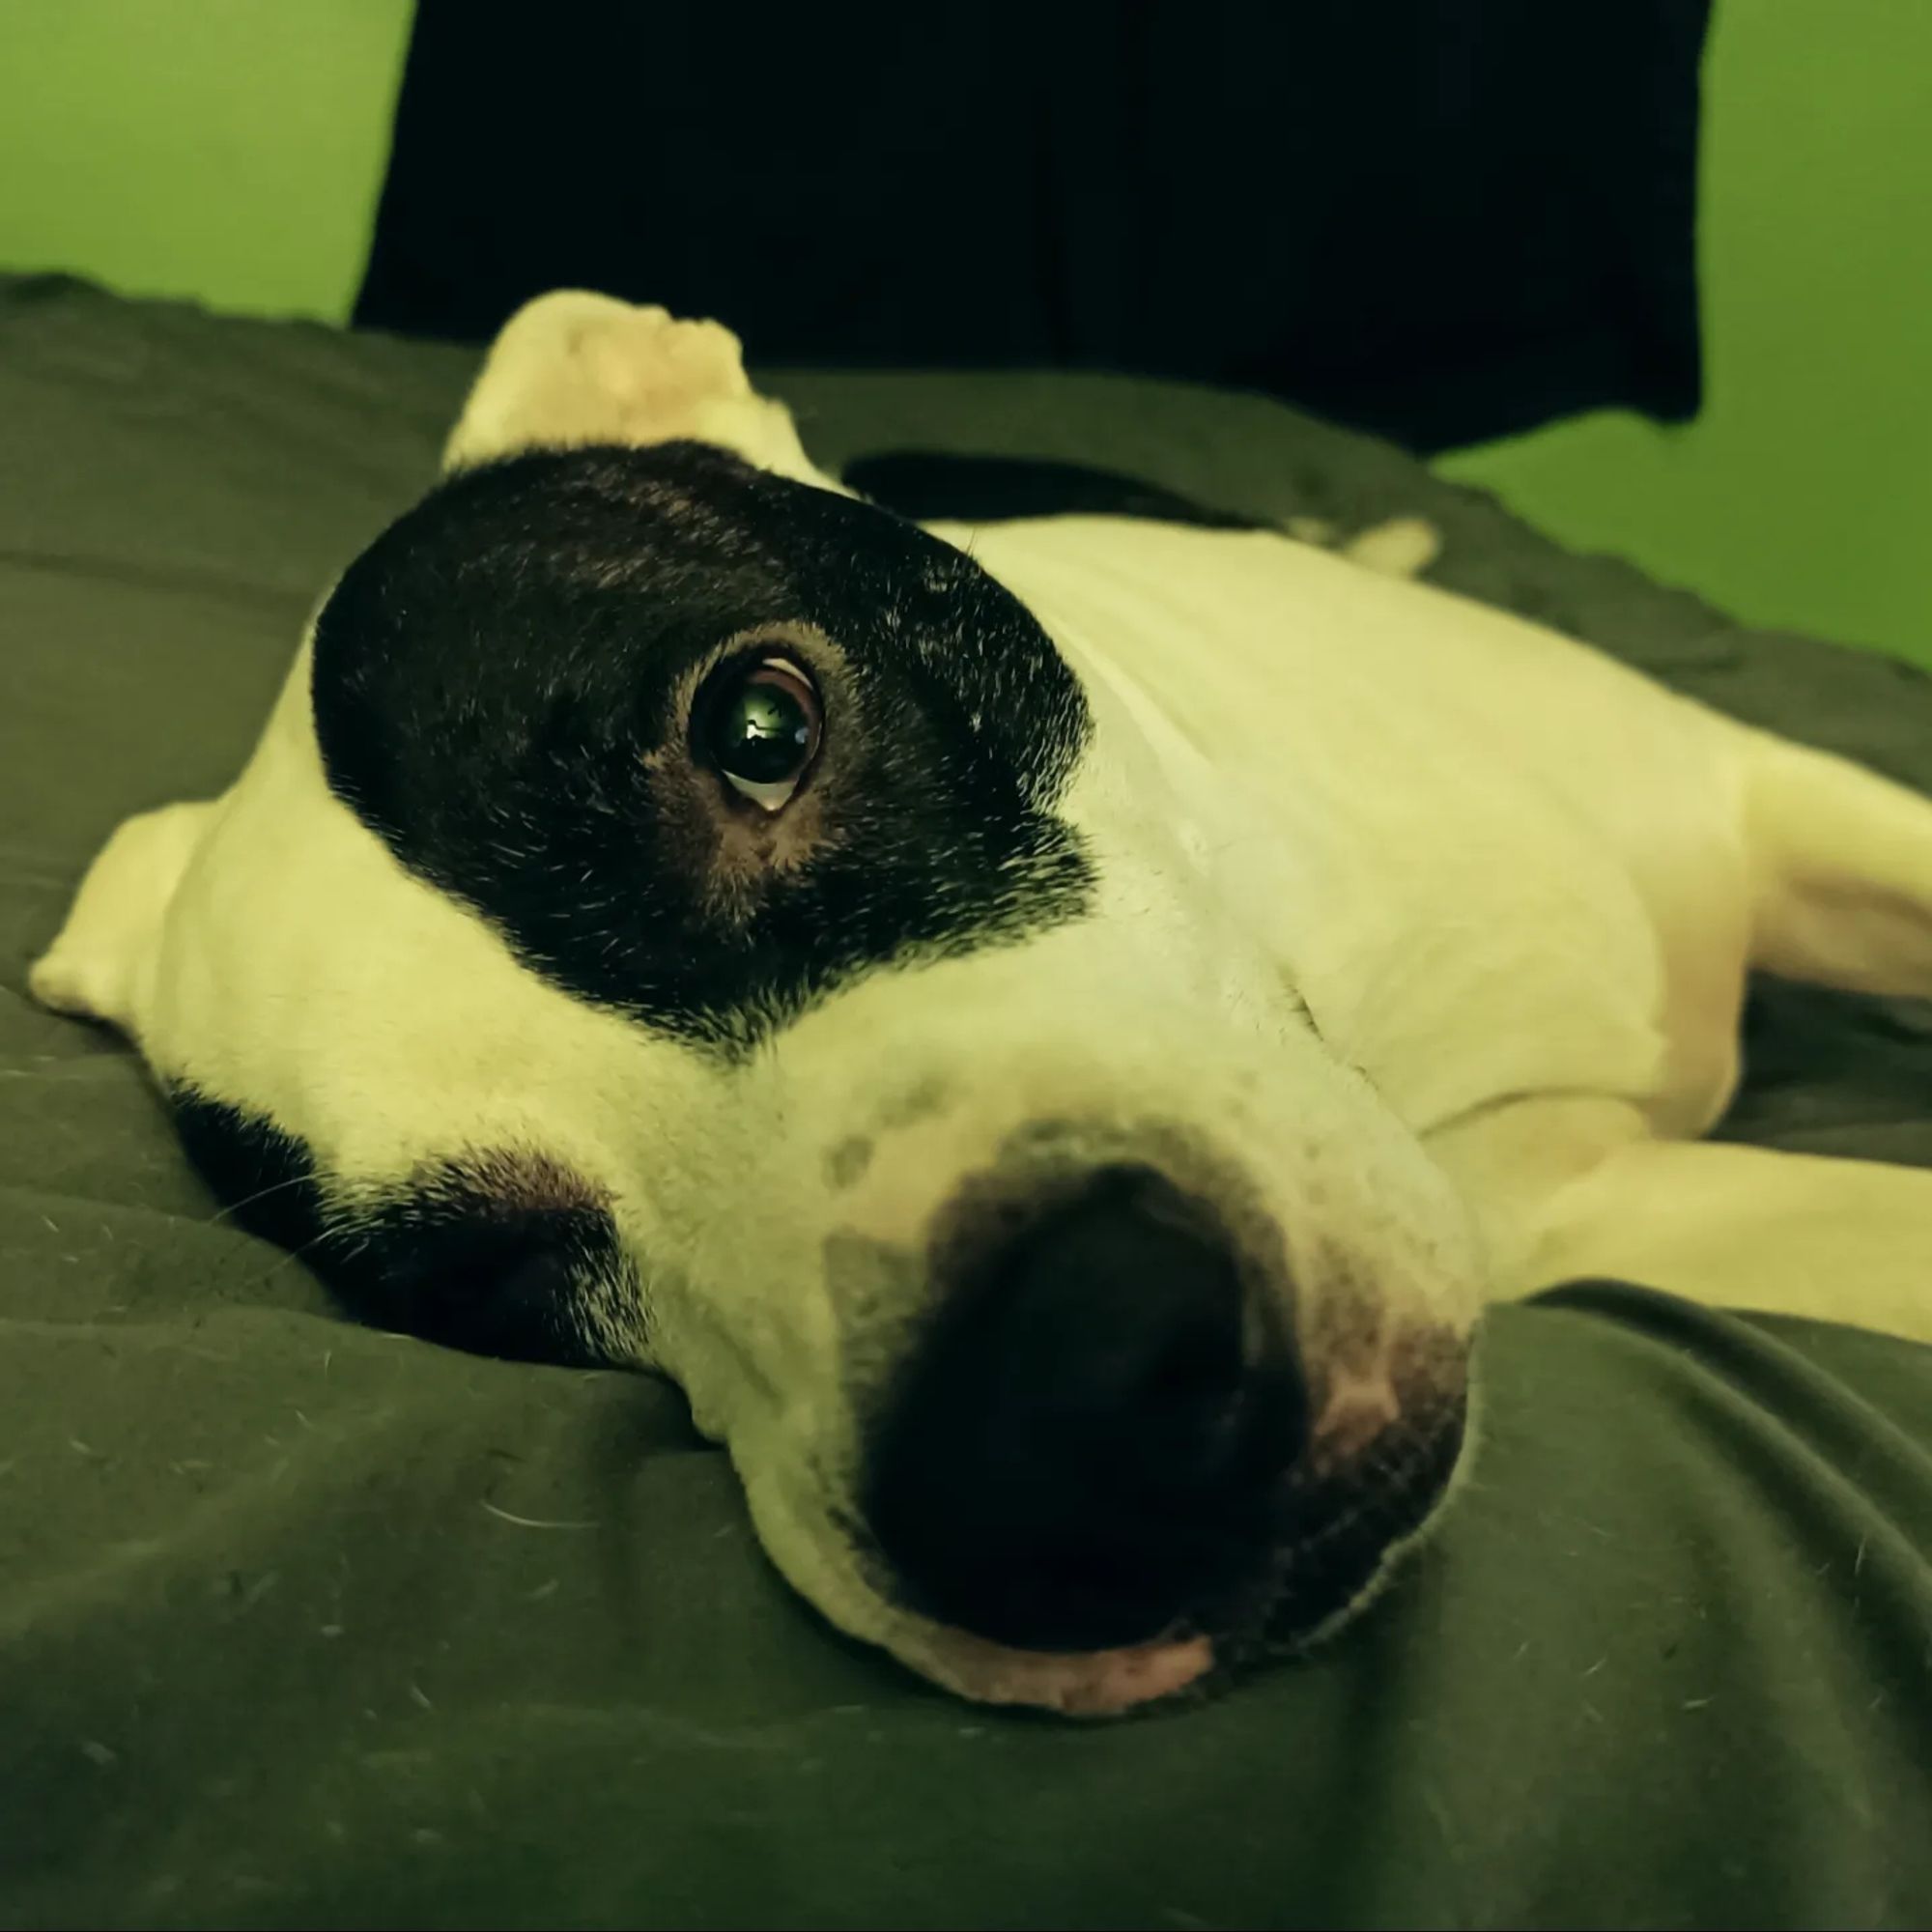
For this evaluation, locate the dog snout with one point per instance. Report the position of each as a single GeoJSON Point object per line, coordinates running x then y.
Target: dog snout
{"type": "Point", "coordinates": [1088, 1443]}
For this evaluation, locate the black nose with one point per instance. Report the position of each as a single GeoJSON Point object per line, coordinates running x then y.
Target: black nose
{"type": "Point", "coordinates": [1087, 1444]}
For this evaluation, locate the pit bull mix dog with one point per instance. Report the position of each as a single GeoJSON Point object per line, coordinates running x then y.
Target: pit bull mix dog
{"type": "Point", "coordinates": [1050, 1031]}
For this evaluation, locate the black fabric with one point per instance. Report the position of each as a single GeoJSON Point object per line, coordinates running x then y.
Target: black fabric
{"type": "Point", "coordinates": [1443, 220]}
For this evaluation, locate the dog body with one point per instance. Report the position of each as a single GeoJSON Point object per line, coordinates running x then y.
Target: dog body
{"type": "Point", "coordinates": [1050, 1032]}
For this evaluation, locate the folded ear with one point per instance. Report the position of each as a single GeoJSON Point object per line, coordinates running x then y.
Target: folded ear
{"type": "Point", "coordinates": [103, 962]}
{"type": "Point", "coordinates": [572, 368]}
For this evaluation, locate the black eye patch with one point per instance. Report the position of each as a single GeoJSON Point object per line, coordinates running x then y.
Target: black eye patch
{"type": "Point", "coordinates": [494, 675]}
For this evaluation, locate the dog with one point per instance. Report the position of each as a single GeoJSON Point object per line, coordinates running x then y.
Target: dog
{"type": "Point", "coordinates": [1049, 1031]}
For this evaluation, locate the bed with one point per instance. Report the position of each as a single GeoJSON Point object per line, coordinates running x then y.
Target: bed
{"type": "Point", "coordinates": [305, 1624]}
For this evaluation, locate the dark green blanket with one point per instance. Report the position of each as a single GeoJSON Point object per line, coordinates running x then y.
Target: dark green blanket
{"type": "Point", "coordinates": [301, 1624]}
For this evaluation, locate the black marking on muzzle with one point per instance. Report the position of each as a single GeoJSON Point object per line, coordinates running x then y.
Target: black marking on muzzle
{"type": "Point", "coordinates": [495, 1252]}
{"type": "Point", "coordinates": [264, 1178]}
{"type": "Point", "coordinates": [493, 674]}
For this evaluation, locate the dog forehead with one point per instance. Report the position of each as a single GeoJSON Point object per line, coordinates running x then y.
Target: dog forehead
{"type": "Point", "coordinates": [602, 570]}
{"type": "Point", "coordinates": [495, 677]}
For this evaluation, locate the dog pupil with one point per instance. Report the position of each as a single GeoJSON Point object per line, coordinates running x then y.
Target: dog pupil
{"type": "Point", "coordinates": [764, 734]}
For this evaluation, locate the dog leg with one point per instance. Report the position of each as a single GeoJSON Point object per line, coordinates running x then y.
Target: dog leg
{"type": "Point", "coordinates": [1565, 1189]}
{"type": "Point", "coordinates": [100, 964]}
{"type": "Point", "coordinates": [1743, 1226]}
{"type": "Point", "coordinates": [572, 368]}
{"type": "Point", "coordinates": [1841, 871]}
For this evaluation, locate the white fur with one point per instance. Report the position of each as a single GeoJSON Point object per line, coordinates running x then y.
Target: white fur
{"type": "Point", "coordinates": [1517, 885]}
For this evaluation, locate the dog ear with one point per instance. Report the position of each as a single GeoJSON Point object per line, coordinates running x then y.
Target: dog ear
{"type": "Point", "coordinates": [571, 368]}
{"type": "Point", "coordinates": [553, 377]}
{"type": "Point", "coordinates": [101, 965]}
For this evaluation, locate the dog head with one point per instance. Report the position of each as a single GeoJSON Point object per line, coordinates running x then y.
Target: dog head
{"type": "Point", "coordinates": [679, 917]}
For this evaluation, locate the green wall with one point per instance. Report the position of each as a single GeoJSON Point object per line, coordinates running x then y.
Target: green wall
{"type": "Point", "coordinates": [232, 150]}
{"type": "Point", "coordinates": [229, 150]}
{"type": "Point", "coordinates": [1801, 495]}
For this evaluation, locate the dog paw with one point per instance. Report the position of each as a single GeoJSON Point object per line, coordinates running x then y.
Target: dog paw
{"type": "Point", "coordinates": [1402, 547]}
{"type": "Point", "coordinates": [1399, 547]}
{"type": "Point", "coordinates": [63, 985]}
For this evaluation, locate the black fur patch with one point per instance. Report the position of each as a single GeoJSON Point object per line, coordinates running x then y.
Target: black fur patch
{"type": "Point", "coordinates": [264, 1179]}
{"type": "Point", "coordinates": [494, 676]}
{"type": "Point", "coordinates": [500, 1254]}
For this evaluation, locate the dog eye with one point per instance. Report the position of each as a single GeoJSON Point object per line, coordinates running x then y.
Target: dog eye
{"type": "Point", "coordinates": [762, 733]}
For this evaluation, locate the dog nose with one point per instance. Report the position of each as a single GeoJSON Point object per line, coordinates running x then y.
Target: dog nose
{"type": "Point", "coordinates": [1086, 1443]}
